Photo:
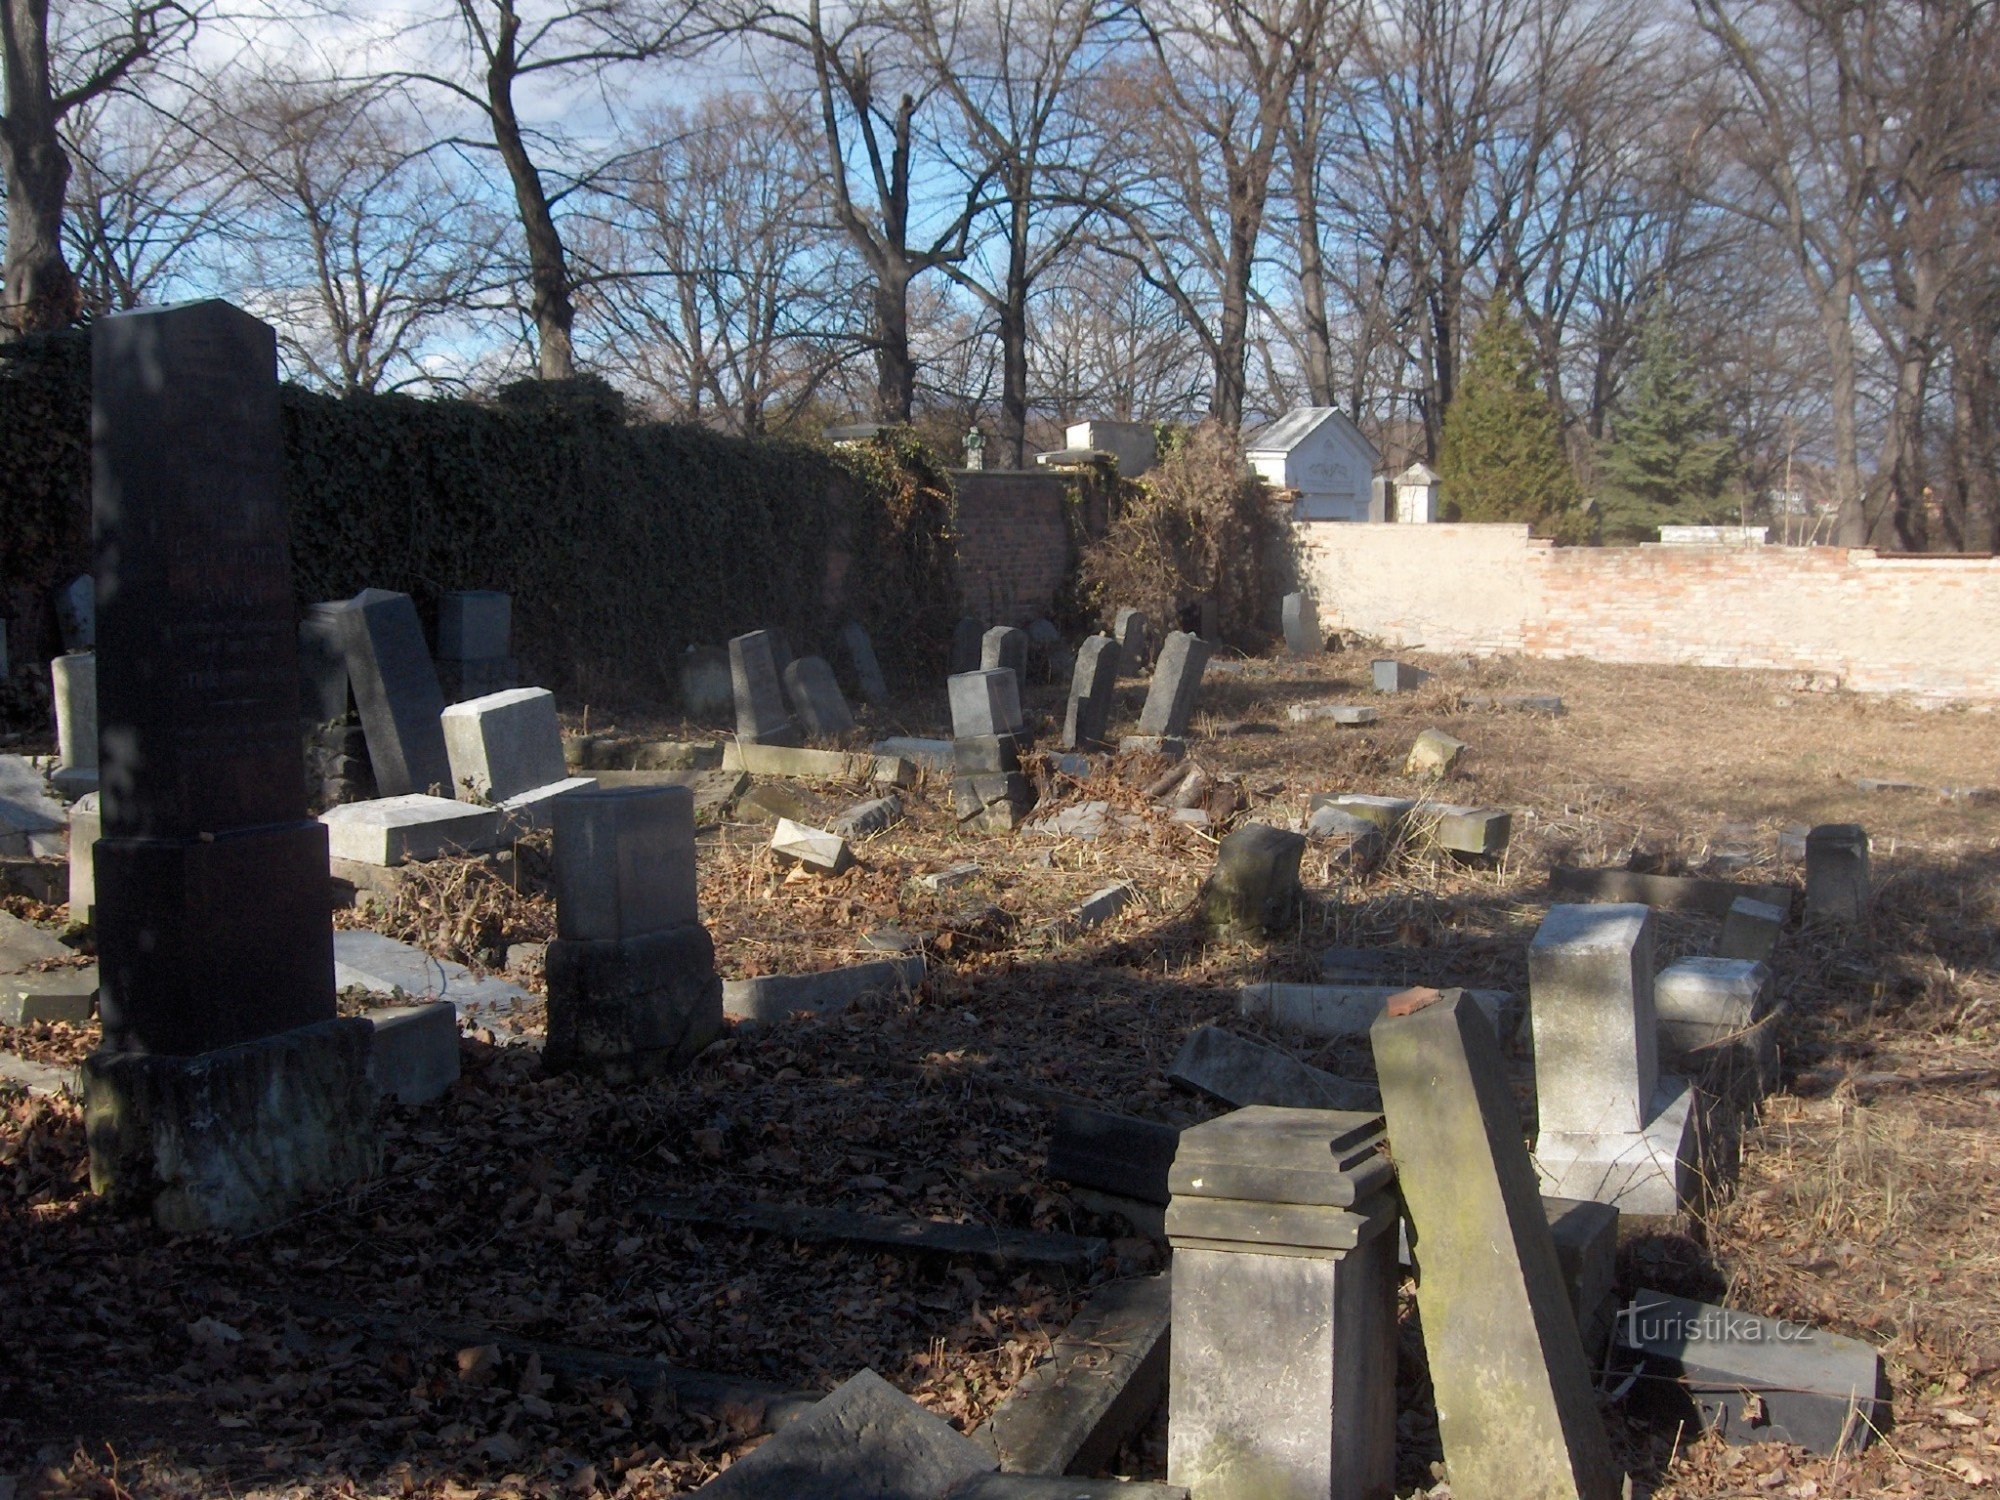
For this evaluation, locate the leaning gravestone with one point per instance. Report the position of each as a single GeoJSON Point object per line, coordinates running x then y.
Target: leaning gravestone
{"type": "Point", "coordinates": [1135, 641]}
{"type": "Point", "coordinates": [1005, 646]}
{"type": "Point", "coordinates": [1176, 685]}
{"type": "Point", "coordinates": [760, 703]}
{"type": "Point", "coordinates": [212, 919]}
{"type": "Point", "coordinates": [1301, 618]}
{"type": "Point", "coordinates": [396, 688]}
{"type": "Point", "coordinates": [860, 652]}
{"type": "Point", "coordinates": [706, 688]}
{"type": "Point", "coordinates": [1091, 693]}
{"type": "Point", "coordinates": [816, 698]}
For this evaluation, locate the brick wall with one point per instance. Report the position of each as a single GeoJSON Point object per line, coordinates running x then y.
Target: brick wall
{"type": "Point", "coordinates": [1013, 550]}
{"type": "Point", "coordinates": [1884, 623]}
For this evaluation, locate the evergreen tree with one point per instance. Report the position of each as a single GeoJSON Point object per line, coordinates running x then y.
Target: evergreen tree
{"type": "Point", "coordinates": [1501, 457]}
{"type": "Point", "coordinates": [1664, 462]}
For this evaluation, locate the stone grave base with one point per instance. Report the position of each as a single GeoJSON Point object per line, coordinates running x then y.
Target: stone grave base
{"type": "Point", "coordinates": [628, 1008]}
{"type": "Point", "coordinates": [233, 1140]}
{"type": "Point", "coordinates": [1653, 1171]}
{"type": "Point", "coordinates": [535, 807]}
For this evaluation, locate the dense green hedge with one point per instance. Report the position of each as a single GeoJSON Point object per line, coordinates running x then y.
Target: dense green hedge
{"type": "Point", "coordinates": [621, 542]}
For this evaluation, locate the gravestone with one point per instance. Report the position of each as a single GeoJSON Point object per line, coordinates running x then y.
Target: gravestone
{"type": "Point", "coordinates": [860, 653]}
{"type": "Point", "coordinates": [1176, 685]}
{"type": "Point", "coordinates": [324, 695]}
{"type": "Point", "coordinates": [211, 881]}
{"type": "Point", "coordinates": [1092, 690]}
{"type": "Point", "coordinates": [967, 644]}
{"type": "Point", "coordinates": [1254, 887]}
{"type": "Point", "coordinates": [396, 688]}
{"type": "Point", "coordinates": [1282, 1223]}
{"type": "Point", "coordinates": [507, 748]}
{"type": "Point", "coordinates": [1750, 930]}
{"type": "Point", "coordinates": [1610, 1126]}
{"type": "Point", "coordinates": [475, 655]}
{"type": "Point", "coordinates": [760, 703]}
{"type": "Point", "coordinates": [816, 700]}
{"type": "Point", "coordinates": [1837, 872]}
{"type": "Point", "coordinates": [1005, 647]}
{"type": "Point", "coordinates": [1135, 641]}
{"type": "Point", "coordinates": [74, 681]}
{"type": "Point", "coordinates": [1393, 676]}
{"type": "Point", "coordinates": [631, 976]}
{"type": "Point", "coordinates": [985, 703]}
{"type": "Point", "coordinates": [1434, 755]}
{"type": "Point", "coordinates": [1301, 621]}
{"type": "Point", "coordinates": [1516, 1411]}
{"type": "Point", "coordinates": [1050, 657]}
{"type": "Point", "coordinates": [707, 691]}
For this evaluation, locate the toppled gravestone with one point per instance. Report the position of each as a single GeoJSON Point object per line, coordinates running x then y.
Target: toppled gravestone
{"type": "Point", "coordinates": [1254, 887]}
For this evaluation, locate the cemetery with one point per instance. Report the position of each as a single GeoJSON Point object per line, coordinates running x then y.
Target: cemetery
{"type": "Point", "coordinates": [956, 1054]}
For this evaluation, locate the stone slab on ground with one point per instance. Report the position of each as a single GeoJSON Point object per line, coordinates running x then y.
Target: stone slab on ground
{"type": "Point", "coordinates": [32, 820]}
{"type": "Point", "coordinates": [839, 1226]}
{"type": "Point", "coordinates": [414, 1056]}
{"type": "Point", "coordinates": [1669, 892]}
{"type": "Point", "coordinates": [35, 1077]}
{"type": "Point", "coordinates": [1103, 906]}
{"type": "Point", "coordinates": [416, 825]}
{"type": "Point", "coordinates": [1702, 1002]}
{"type": "Point", "coordinates": [1083, 820]}
{"type": "Point", "coordinates": [866, 1441]}
{"type": "Point", "coordinates": [68, 995]}
{"type": "Point", "coordinates": [774, 997]}
{"type": "Point", "coordinates": [1526, 703]}
{"type": "Point", "coordinates": [1348, 1010]}
{"type": "Point", "coordinates": [1242, 1072]}
{"type": "Point", "coordinates": [1113, 1153]}
{"type": "Point", "coordinates": [1750, 930]}
{"type": "Point", "coordinates": [1435, 755]}
{"type": "Point", "coordinates": [1517, 1410]}
{"type": "Point", "coordinates": [934, 755]}
{"type": "Point", "coordinates": [23, 945]}
{"type": "Point", "coordinates": [1752, 1379]}
{"type": "Point", "coordinates": [816, 849]}
{"type": "Point", "coordinates": [381, 965]}
{"type": "Point", "coordinates": [866, 819]}
{"type": "Point", "coordinates": [1100, 1382]}
{"type": "Point", "coordinates": [818, 765]}
{"type": "Point", "coordinates": [1469, 830]}
{"type": "Point", "coordinates": [1352, 714]}
{"type": "Point", "coordinates": [947, 879]}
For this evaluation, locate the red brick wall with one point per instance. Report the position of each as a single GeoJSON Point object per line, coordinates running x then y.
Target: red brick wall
{"type": "Point", "coordinates": [1013, 550]}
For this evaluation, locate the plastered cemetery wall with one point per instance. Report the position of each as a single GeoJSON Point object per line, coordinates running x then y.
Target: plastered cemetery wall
{"type": "Point", "coordinates": [1884, 623]}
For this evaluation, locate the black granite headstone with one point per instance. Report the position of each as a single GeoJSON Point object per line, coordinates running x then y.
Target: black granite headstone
{"type": "Point", "coordinates": [396, 689]}
{"type": "Point", "coordinates": [212, 910]}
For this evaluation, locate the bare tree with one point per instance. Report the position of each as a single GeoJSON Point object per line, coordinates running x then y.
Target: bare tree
{"type": "Point", "coordinates": [94, 47]}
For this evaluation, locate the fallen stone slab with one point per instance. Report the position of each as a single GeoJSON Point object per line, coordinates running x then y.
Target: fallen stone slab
{"type": "Point", "coordinates": [35, 1077]}
{"type": "Point", "coordinates": [774, 997]}
{"type": "Point", "coordinates": [1752, 1379]}
{"type": "Point", "coordinates": [1669, 892]}
{"type": "Point", "coordinates": [1085, 821]}
{"type": "Point", "coordinates": [415, 826]}
{"type": "Point", "coordinates": [947, 879]}
{"type": "Point", "coordinates": [932, 755]}
{"type": "Point", "coordinates": [713, 790]}
{"type": "Point", "coordinates": [37, 879]}
{"type": "Point", "coordinates": [677, 755]}
{"type": "Point", "coordinates": [1172, 747]}
{"type": "Point", "coordinates": [1046, 1487]}
{"type": "Point", "coordinates": [840, 1226]}
{"type": "Point", "coordinates": [1525, 703]}
{"type": "Point", "coordinates": [1750, 931]}
{"type": "Point", "coordinates": [1386, 813]}
{"type": "Point", "coordinates": [414, 1058]}
{"type": "Point", "coordinates": [369, 961]}
{"type": "Point", "coordinates": [24, 945]}
{"type": "Point", "coordinates": [68, 995]}
{"type": "Point", "coordinates": [1103, 906]}
{"type": "Point", "coordinates": [32, 818]}
{"type": "Point", "coordinates": [1886, 784]}
{"type": "Point", "coordinates": [1113, 1153]}
{"type": "Point", "coordinates": [866, 819]}
{"type": "Point", "coordinates": [1349, 1010]}
{"type": "Point", "coordinates": [1241, 1072]}
{"type": "Point", "coordinates": [817, 850]}
{"type": "Point", "coordinates": [1435, 754]}
{"type": "Point", "coordinates": [817, 765]}
{"type": "Point", "coordinates": [1352, 714]}
{"type": "Point", "coordinates": [1099, 1384]}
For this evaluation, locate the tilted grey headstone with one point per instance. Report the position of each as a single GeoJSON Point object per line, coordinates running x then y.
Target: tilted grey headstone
{"type": "Point", "coordinates": [1241, 1072]}
{"type": "Point", "coordinates": [1176, 685]}
{"type": "Point", "coordinates": [504, 744]}
{"type": "Point", "coordinates": [1135, 641]}
{"type": "Point", "coordinates": [706, 687]}
{"type": "Point", "coordinates": [1092, 691]}
{"type": "Point", "coordinates": [985, 703]}
{"type": "Point", "coordinates": [212, 905]}
{"type": "Point", "coordinates": [816, 698]}
{"type": "Point", "coordinates": [396, 688]}
{"type": "Point", "coordinates": [1005, 646]}
{"type": "Point", "coordinates": [860, 652]}
{"type": "Point", "coordinates": [760, 703]}
{"type": "Point", "coordinates": [967, 640]}
{"type": "Point", "coordinates": [1302, 633]}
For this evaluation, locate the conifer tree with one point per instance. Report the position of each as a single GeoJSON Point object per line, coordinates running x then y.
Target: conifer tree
{"type": "Point", "coordinates": [1501, 456]}
{"type": "Point", "coordinates": [1664, 461]}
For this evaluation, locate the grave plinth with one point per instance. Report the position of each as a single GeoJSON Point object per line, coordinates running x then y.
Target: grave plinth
{"type": "Point", "coordinates": [1284, 1308]}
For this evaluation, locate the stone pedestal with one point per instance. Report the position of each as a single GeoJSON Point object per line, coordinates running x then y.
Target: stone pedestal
{"type": "Point", "coordinates": [1284, 1308]}
{"type": "Point", "coordinates": [1254, 887]}
{"type": "Point", "coordinates": [1652, 1170]}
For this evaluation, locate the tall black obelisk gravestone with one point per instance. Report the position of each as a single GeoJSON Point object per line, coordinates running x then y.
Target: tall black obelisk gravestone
{"type": "Point", "coordinates": [213, 923]}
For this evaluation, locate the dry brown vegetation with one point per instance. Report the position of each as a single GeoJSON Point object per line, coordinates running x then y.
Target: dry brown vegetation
{"type": "Point", "coordinates": [1865, 1201]}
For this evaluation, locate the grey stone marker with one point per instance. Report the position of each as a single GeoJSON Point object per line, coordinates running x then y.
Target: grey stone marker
{"type": "Point", "coordinates": [475, 654]}
{"type": "Point", "coordinates": [796, 843]}
{"type": "Point", "coordinates": [985, 703]}
{"type": "Point", "coordinates": [1750, 930]}
{"type": "Point", "coordinates": [967, 645]}
{"type": "Point", "coordinates": [860, 653]}
{"type": "Point", "coordinates": [86, 826]}
{"type": "Point", "coordinates": [1610, 1126]}
{"type": "Point", "coordinates": [867, 1441]}
{"type": "Point", "coordinates": [1837, 872]}
{"type": "Point", "coordinates": [760, 703]}
{"type": "Point", "coordinates": [707, 689]}
{"type": "Point", "coordinates": [396, 688]}
{"type": "Point", "coordinates": [1516, 1411]}
{"type": "Point", "coordinates": [1004, 646]}
{"type": "Point", "coordinates": [774, 997]}
{"type": "Point", "coordinates": [504, 744]}
{"type": "Point", "coordinates": [74, 680]}
{"type": "Point", "coordinates": [1282, 1223]}
{"type": "Point", "coordinates": [324, 694]}
{"type": "Point", "coordinates": [76, 613]}
{"type": "Point", "coordinates": [816, 698]}
{"type": "Point", "coordinates": [1472, 830]}
{"type": "Point", "coordinates": [1301, 621]}
{"type": "Point", "coordinates": [1711, 1010]}
{"type": "Point", "coordinates": [1239, 1071]}
{"type": "Point", "coordinates": [1135, 641]}
{"type": "Point", "coordinates": [414, 1058]}
{"type": "Point", "coordinates": [1393, 676]}
{"type": "Point", "coordinates": [631, 974]}
{"type": "Point", "coordinates": [1176, 685]}
{"type": "Point", "coordinates": [1048, 651]}
{"type": "Point", "coordinates": [1435, 754]}
{"type": "Point", "coordinates": [1708, 1365]}
{"type": "Point", "coordinates": [1113, 1153]}
{"type": "Point", "coordinates": [1254, 887]}
{"type": "Point", "coordinates": [1092, 690]}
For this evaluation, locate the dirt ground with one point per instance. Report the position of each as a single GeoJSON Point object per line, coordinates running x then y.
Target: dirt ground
{"type": "Point", "coordinates": [293, 1363]}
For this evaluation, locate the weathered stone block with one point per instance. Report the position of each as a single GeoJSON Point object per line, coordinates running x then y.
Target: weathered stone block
{"type": "Point", "coordinates": [760, 705]}
{"type": "Point", "coordinates": [475, 624]}
{"type": "Point", "coordinates": [624, 863]}
{"type": "Point", "coordinates": [1654, 1170]}
{"type": "Point", "coordinates": [1590, 978]}
{"type": "Point", "coordinates": [627, 1008]}
{"type": "Point", "coordinates": [707, 689]}
{"type": "Point", "coordinates": [1242, 1072]}
{"type": "Point", "coordinates": [392, 830]}
{"type": "Point", "coordinates": [773, 997]}
{"type": "Point", "coordinates": [504, 744]}
{"type": "Point", "coordinates": [73, 679]}
{"type": "Point", "coordinates": [862, 663]}
{"type": "Point", "coordinates": [1113, 1153]}
{"type": "Point", "coordinates": [1751, 929]}
{"type": "Point", "coordinates": [1005, 648]}
{"type": "Point", "coordinates": [986, 754]}
{"type": "Point", "coordinates": [1435, 755]}
{"type": "Point", "coordinates": [86, 826]}
{"type": "Point", "coordinates": [985, 703]}
{"type": "Point", "coordinates": [816, 699]}
{"type": "Point", "coordinates": [820, 851]}
{"type": "Point", "coordinates": [1134, 635]}
{"type": "Point", "coordinates": [232, 1140]}
{"type": "Point", "coordinates": [1176, 686]}
{"type": "Point", "coordinates": [68, 995]}
{"type": "Point", "coordinates": [998, 802]}
{"type": "Point", "coordinates": [967, 645]}
{"type": "Point", "coordinates": [1837, 872]}
{"type": "Point", "coordinates": [1472, 830]}
{"type": "Point", "coordinates": [1092, 691]}
{"type": "Point", "coordinates": [397, 692]}
{"type": "Point", "coordinates": [1301, 623]}
{"type": "Point", "coordinates": [1397, 677]}
{"type": "Point", "coordinates": [414, 1057]}
{"type": "Point", "coordinates": [1254, 887]}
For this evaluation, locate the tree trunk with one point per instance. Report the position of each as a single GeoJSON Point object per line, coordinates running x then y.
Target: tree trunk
{"type": "Point", "coordinates": [1318, 333]}
{"type": "Point", "coordinates": [39, 293]}
{"type": "Point", "coordinates": [895, 370]}
{"type": "Point", "coordinates": [549, 302]}
{"type": "Point", "coordinates": [1013, 312]}
{"type": "Point", "coordinates": [1850, 521]}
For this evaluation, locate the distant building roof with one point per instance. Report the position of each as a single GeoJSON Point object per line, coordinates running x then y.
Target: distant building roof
{"type": "Point", "coordinates": [1063, 458]}
{"type": "Point", "coordinates": [1294, 427]}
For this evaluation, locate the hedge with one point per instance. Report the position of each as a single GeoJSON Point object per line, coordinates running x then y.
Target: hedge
{"type": "Point", "coordinates": [621, 542]}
